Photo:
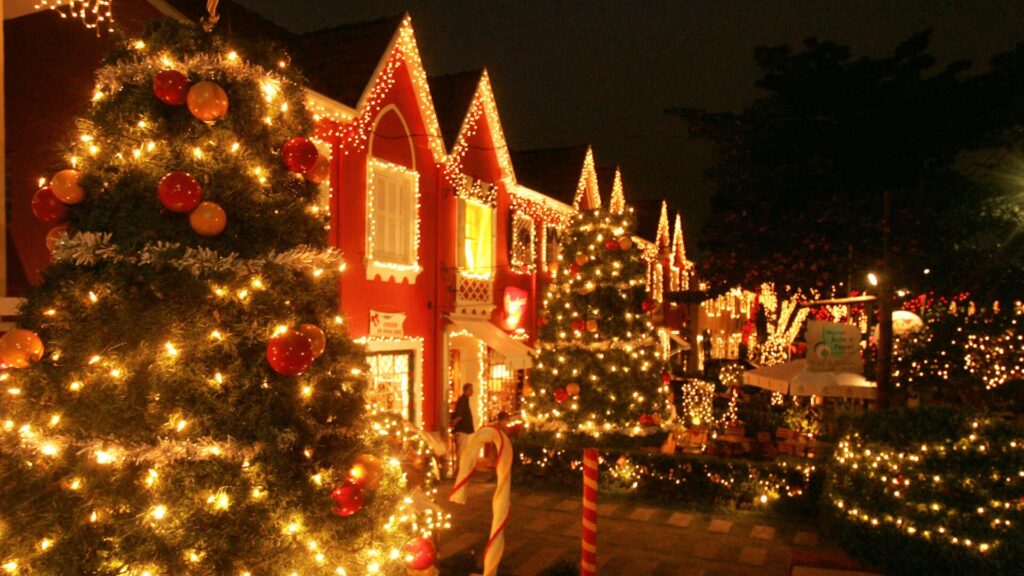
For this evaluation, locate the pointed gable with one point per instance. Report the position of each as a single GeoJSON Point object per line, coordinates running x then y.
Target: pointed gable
{"type": "Point", "coordinates": [554, 172]}
{"type": "Point", "coordinates": [662, 239]}
{"type": "Point", "coordinates": [617, 201]}
{"type": "Point", "coordinates": [588, 195]}
{"type": "Point", "coordinates": [469, 119]}
{"type": "Point", "coordinates": [678, 247]}
{"type": "Point", "coordinates": [353, 47]}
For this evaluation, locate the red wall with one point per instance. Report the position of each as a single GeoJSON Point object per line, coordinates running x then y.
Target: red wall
{"type": "Point", "coordinates": [49, 63]}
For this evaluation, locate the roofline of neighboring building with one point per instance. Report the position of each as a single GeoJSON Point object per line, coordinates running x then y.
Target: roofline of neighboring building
{"type": "Point", "coordinates": [541, 198]}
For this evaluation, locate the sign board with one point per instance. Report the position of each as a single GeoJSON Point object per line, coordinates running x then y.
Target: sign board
{"type": "Point", "coordinates": [833, 347]}
{"type": "Point", "coordinates": [387, 325]}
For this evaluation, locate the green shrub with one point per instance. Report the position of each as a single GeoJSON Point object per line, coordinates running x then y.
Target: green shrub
{"type": "Point", "coordinates": [930, 491]}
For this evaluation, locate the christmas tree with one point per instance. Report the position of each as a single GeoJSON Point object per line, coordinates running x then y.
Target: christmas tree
{"type": "Point", "coordinates": [181, 396]}
{"type": "Point", "coordinates": [598, 367]}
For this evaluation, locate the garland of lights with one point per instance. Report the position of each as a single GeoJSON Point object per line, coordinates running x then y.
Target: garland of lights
{"type": "Point", "coordinates": [92, 13]}
{"type": "Point", "coordinates": [523, 254]}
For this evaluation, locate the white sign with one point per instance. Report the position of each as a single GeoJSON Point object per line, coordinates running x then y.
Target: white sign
{"type": "Point", "coordinates": [833, 347]}
{"type": "Point", "coordinates": [387, 325]}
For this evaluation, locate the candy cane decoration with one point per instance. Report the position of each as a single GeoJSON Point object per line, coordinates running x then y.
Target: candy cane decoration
{"type": "Point", "coordinates": [588, 567]}
{"type": "Point", "coordinates": [502, 492]}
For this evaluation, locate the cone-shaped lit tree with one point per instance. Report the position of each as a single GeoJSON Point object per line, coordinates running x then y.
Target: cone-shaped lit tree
{"type": "Point", "coordinates": [598, 367]}
{"type": "Point", "coordinates": [198, 408]}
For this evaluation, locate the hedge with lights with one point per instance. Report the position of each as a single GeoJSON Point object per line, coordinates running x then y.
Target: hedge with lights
{"type": "Point", "coordinates": [627, 469]}
{"type": "Point", "coordinates": [598, 367]}
{"type": "Point", "coordinates": [199, 407]}
{"type": "Point", "coordinates": [931, 491]}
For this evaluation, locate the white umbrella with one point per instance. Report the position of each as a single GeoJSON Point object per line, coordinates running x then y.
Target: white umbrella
{"type": "Point", "coordinates": [793, 378]}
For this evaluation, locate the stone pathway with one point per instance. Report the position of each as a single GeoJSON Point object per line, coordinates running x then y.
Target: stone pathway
{"type": "Point", "coordinates": [637, 540]}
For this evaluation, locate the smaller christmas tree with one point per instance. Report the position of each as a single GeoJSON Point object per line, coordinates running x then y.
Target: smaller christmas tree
{"type": "Point", "coordinates": [598, 366]}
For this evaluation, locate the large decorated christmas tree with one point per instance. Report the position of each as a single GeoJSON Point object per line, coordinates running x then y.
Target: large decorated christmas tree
{"type": "Point", "coordinates": [598, 367]}
{"type": "Point", "coordinates": [181, 396]}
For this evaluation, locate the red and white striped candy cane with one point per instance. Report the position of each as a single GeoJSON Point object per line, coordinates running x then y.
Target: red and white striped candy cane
{"type": "Point", "coordinates": [502, 492]}
{"type": "Point", "coordinates": [588, 566]}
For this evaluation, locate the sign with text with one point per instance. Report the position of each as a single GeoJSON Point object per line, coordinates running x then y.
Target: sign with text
{"type": "Point", "coordinates": [387, 324]}
{"type": "Point", "coordinates": [833, 347]}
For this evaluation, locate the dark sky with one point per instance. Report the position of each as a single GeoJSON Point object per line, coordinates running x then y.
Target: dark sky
{"type": "Point", "coordinates": [568, 73]}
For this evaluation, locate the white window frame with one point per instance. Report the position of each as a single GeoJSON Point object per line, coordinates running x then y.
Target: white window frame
{"type": "Point", "coordinates": [390, 212]}
{"type": "Point", "coordinates": [523, 263]}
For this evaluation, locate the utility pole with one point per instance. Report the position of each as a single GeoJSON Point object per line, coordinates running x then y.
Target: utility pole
{"type": "Point", "coordinates": [883, 366]}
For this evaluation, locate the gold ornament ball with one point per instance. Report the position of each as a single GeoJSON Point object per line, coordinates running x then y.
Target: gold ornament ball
{"type": "Point", "coordinates": [55, 236]}
{"type": "Point", "coordinates": [582, 259]}
{"type": "Point", "coordinates": [208, 219]}
{"type": "Point", "coordinates": [572, 388]}
{"type": "Point", "coordinates": [591, 325]}
{"type": "Point", "coordinates": [19, 348]}
{"type": "Point", "coordinates": [625, 242]}
{"type": "Point", "coordinates": [367, 471]}
{"type": "Point", "coordinates": [207, 101]}
{"type": "Point", "coordinates": [65, 187]}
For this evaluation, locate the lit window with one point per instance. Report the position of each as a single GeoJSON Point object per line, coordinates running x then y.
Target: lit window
{"type": "Point", "coordinates": [393, 220]}
{"type": "Point", "coordinates": [476, 237]}
{"type": "Point", "coordinates": [391, 381]}
{"type": "Point", "coordinates": [552, 246]}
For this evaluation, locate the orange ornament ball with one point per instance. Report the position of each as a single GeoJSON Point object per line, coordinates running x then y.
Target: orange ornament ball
{"type": "Point", "coordinates": [320, 171]}
{"type": "Point", "coordinates": [625, 243]}
{"type": "Point", "coordinates": [64, 185]}
{"type": "Point", "coordinates": [19, 348]}
{"type": "Point", "coordinates": [367, 472]}
{"type": "Point", "coordinates": [55, 236]}
{"type": "Point", "coordinates": [582, 259]}
{"type": "Point", "coordinates": [207, 101]}
{"type": "Point", "coordinates": [527, 391]}
{"type": "Point", "coordinates": [572, 388]}
{"type": "Point", "coordinates": [208, 219]}
{"type": "Point", "coordinates": [316, 336]}
{"type": "Point", "coordinates": [591, 325]}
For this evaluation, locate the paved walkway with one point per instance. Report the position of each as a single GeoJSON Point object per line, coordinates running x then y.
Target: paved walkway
{"type": "Point", "coordinates": [638, 540]}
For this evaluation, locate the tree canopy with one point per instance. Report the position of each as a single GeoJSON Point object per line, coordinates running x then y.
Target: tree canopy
{"type": "Point", "coordinates": [801, 172]}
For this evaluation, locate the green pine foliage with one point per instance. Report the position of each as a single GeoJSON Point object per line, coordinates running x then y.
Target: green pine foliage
{"type": "Point", "coordinates": [153, 436]}
{"type": "Point", "coordinates": [596, 335]}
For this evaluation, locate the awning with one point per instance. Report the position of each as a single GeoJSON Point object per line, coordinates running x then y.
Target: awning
{"type": "Point", "coordinates": [793, 378]}
{"type": "Point", "coordinates": [517, 354]}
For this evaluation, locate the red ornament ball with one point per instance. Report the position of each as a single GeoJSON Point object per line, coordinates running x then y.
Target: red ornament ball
{"type": "Point", "coordinates": [299, 155]}
{"type": "Point", "coordinates": [574, 269]}
{"type": "Point", "coordinates": [317, 338]}
{"type": "Point", "coordinates": [611, 244]}
{"type": "Point", "coordinates": [179, 192]}
{"type": "Point", "coordinates": [348, 499]}
{"type": "Point", "coordinates": [561, 395]}
{"type": "Point", "coordinates": [171, 87]}
{"type": "Point", "coordinates": [666, 377]}
{"type": "Point", "coordinates": [47, 207]}
{"type": "Point", "coordinates": [579, 324]}
{"type": "Point", "coordinates": [648, 305]}
{"type": "Point", "coordinates": [419, 553]}
{"type": "Point", "coordinates": [289, 352]}
{"type": "Point", "coordinates": [646, 420]}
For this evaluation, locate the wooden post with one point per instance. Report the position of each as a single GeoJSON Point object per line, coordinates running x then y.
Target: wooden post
{"type": "Point", "coordinates": [588, 565]}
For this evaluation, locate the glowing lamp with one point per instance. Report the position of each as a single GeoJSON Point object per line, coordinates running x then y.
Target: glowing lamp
{"type": "Point", "coordinates": [515, 306]}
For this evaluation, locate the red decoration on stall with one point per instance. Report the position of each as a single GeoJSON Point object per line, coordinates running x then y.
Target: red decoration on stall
{"type": "Point", "coordinates": [179, 192]}
{"type": "Point", "coordinates": [171, 87]}
{"type": "Point", "coordinates": [299, 155]}
{"type": "Point", "coordinates": [348, 499]}
{"type": "Point", "coordinates": [420, 553]}
{"type": "Point", "coordinates": [47, 207]}
{"type": "Point", "coordinates": [290, 352]}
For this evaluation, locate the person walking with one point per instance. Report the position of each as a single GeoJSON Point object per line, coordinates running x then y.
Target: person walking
{"type": "Point", "coordinates": [462, 423]}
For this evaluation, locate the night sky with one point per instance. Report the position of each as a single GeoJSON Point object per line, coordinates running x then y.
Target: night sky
{"type": "Point", "coordinates": [567, 73]}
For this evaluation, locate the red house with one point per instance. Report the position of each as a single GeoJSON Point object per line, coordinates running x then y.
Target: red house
{"type": "Point", "coordinates": [448, 237]}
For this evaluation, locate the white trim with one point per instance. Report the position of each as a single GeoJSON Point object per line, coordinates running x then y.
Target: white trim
{"type": "Point", "coordinates": [409, 344]}
{"type": "Point", "coordinates": [330, 106]}
{"type": "Point", "coordinates": [405, 126]}
{"type": "Point", "coordinates": [541, 198]}
{"type": "Point", "coordinates": [390, 271]}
